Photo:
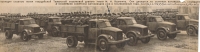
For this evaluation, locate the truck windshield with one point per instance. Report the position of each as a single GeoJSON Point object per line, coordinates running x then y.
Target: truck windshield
{"type": "Point", "coordinates": [130, 21]}
{"type": "Point", "coordinates": [159, 19]}
{"type": "Point", "coordinates": [104, 24]}
{"type": "Point", "coordinates": [27, 22]}
{"type": "Point", "coordinates": [56, 20]}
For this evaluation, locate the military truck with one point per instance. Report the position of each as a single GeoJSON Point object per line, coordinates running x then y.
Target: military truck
{"type": "Point", "coordinates": [98, 32]}
{"type": "Point", "coordinates": [184, 22]}
{"type": "Point", "coordinates": [24, 28]}
{"type": "Point", "coordinates": [158, 26]}
{"type": "Point", "coordinates": [51, 25]}
{"type": "Point", "coordinates": [132, 29]}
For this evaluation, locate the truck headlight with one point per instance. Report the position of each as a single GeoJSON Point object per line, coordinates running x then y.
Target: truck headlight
{"type": "Point", "coordinates": [167, 28]}
{"type": "Point", "coordinates": [124, 36]}
{"type": "Point", "coordinates": [149, 32]}
{"type": "Point", "coordinates": [41, 29]}
{"type": "Point", "coordinates": [29, 31]}
{"type": "Point", "coordinates": [110, 37]}
{"type": "Point", "coordinates": [137, 32]}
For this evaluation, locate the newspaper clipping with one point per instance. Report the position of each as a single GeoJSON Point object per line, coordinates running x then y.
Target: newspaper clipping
{"type": "Point", "coordinates": [99, 25]}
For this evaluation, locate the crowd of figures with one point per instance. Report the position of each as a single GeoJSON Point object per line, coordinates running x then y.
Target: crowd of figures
{"type": "Point", "coordinates": [83, 17]}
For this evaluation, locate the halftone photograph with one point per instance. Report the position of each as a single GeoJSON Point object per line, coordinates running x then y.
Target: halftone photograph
{"type": "Point", "coordinates": [99, 26]}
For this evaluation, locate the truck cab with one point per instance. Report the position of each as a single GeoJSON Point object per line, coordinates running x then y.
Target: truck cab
{"type": "Point", "coordinates": [52, 25]}
{"type": "Point", "coordinates": [25, 28]}
{"type": "Point", "coordinates": [184, 22]}
{"type": "Point", "coordinates": [132, 29]}
{"type": "Point", "coordinates": [98, 32]}
{"type": "Point", "coordinates": [162, 28]}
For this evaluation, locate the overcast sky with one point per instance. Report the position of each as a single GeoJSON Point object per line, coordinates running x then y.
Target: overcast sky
{"type": "Point", "coordinates": [25, 8]}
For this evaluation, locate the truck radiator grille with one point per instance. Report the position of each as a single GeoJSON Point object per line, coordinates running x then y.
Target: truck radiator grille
{"type": "Point", "coordinates": [119, 36]}
{"type": "Point", "coordinates": [36, 29]}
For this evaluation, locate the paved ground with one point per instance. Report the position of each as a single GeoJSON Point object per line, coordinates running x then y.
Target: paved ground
{"type": "Point", "coordinates": [182, 43]}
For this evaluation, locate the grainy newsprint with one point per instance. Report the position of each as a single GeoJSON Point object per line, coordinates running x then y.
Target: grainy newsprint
{"type": "Point", "coordinates": [99, 25]}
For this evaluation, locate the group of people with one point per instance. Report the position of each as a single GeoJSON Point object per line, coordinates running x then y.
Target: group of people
{"type": "Point", "coordinates": [84, 17]}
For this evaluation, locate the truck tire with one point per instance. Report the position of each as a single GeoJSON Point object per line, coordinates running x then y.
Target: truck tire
{"type": "Point", "coordinates": [161, 35]}
{"type": "Point", "coordinates": [132, 42]}
{"type": "Point", "coordinates": [8, 34]}
{"type": "Point", "coordinates": [191, 31]}
{"type": "Point", "coordinates": [71, 41]}
{"type": "Point", "coordinates": [54, 32]}
{"type": "Point", "coordinates": [145, 40]}
{"type": "Point", "coordinates": [40, 36]}
{"type": "Point", "coordinates": [25, 36]}
{"type": "Point", "coordinates": [172, 36]}
{"type": "Point", "coordinates": [120, 45]}
{"type": "Point", "coordinates": [103, 44]}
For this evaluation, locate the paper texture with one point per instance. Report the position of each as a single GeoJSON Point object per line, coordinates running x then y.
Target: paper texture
{"type": "Point", "coordinates": [99, 25]}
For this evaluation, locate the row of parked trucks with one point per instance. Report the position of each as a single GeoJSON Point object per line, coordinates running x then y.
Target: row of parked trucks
{"type": "Point", "coordinates": [101, 32]}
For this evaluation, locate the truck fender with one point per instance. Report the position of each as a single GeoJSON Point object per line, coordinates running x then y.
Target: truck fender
{"type": "Point", "coordinates": [56, 27]}
{"type": "Point", "coordinates": [195, 26]}
{"type": "Point", "coordinates": [135, 34]}
{"type": "Point", "coordinates": [26, 30]}
{"type": "Point", "coordinates": [103, 36]}
{"type": "Point", "coordinates": [163, 28]}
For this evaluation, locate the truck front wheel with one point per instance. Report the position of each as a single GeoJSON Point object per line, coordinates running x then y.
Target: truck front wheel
{"type": "Point", "coordinates": [120, 45]}
{"type": "Point", "coordinates": [54, 32]}
{"type": "Point", "coordinates": [103, 44]}
{"type": "Point", "coordinates": [8, 34]}
{"type": "Point", "coordinates": [25, 36]}
{"type": "Point", "coordinates": [132, 42]}
{"type": "Point", "coordinates": [191, 31]}
{"type": "Point", "coordinates": [172, 36]}
{"type": "Point", "coordinates": [161, 35]}
{"type": "Point", "coordinates": [145, 40]}
{"type": "Point", "coordinates": [71, 41]}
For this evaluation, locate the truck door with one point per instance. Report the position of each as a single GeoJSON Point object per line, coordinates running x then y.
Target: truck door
{"type": "Point", "coordinates": [50, 23]}
{"type": "Point", "coordinates": [181, 22]}
{"type": "Point", "coordinates": [151, 23]}
{"type": "Point", "coordinates": [93, 30]}
{"type": "Point", "coordinates": [20, 26]}
{"type": "Point", "coordinates": [121, 24]}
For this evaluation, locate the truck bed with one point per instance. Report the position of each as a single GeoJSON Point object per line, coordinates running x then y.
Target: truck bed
{"type": "Point", "coordinates": [171, 20]}
{"type": "Point", "coordinates": [9, 25]}
{"type": "Point", "coordinates": [77, 29]}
